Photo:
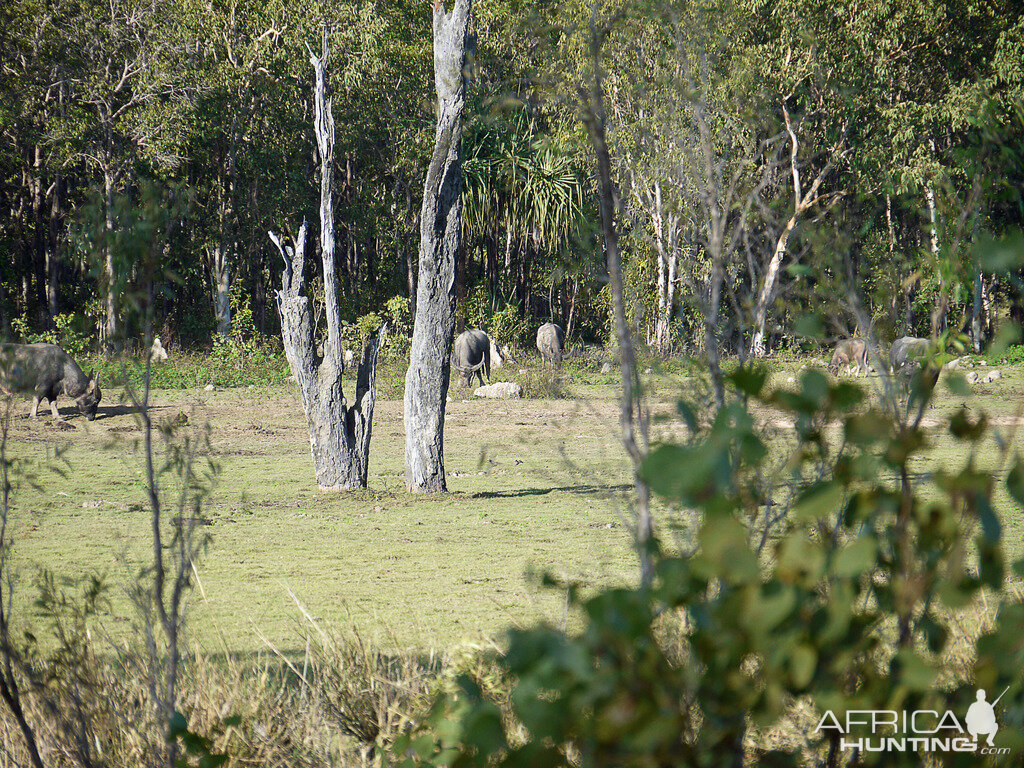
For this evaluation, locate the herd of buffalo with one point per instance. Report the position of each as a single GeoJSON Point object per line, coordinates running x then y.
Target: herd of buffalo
{"type": "Point", "coordinates": [45, 371]}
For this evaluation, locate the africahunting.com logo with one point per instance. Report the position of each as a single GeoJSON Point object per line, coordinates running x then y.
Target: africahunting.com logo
{"type": "Point", "coordinates": [925, 730]}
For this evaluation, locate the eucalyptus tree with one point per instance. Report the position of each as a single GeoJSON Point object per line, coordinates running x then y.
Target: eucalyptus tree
{"type": "Point", "coordinates": [426, 382]}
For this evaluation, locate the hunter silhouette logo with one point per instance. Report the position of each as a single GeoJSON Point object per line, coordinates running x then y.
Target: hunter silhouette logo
{"type": "Point", "coordinates": [981, 717]}
{"type": "Point", "coordinates": [925, 730]}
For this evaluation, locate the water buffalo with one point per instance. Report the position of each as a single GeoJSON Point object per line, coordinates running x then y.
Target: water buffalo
{"type": "Point", "coordinates": [551, 344]}
{"type": "Point", "coordinates": [906, 353]}
{"type": "Point", "coordinates": [46, 370]}
{"type": "Point", "coordinates": [850, 352]}
{"type": "Point", "coordinates": [472, 356]}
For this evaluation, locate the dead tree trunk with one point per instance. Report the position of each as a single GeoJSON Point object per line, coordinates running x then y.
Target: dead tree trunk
{"type": "Point", "coordinates": [426, 383]}
{"type": "Point", "coordinates": [339, 435]}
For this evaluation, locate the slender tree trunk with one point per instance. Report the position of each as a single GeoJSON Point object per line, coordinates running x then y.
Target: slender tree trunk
{"type": "Point", "coordinates": [221, 278]}
{"type": "Point", "coordinates": [757, 348]}
{"type": "Point", "coordinates": [939, 311]}
{"type": "Point", "coordinates": [633, 417]}
{"type": "Point", "coordinates": [426, 383]}
{"type": "Point", "coordinates": [53, 249]}
{"type": "Point", "coordinates": [111, 324]}
{"type": "Point", "coordinates": [339, 435]}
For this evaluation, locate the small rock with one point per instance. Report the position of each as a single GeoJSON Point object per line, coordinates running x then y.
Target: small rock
{"type": "Point", "coordinates": [791, 380]}
{"type": "Point", "coordinates": [982, 362]}
{"type": "Point", "coordinates": [157, 353]}
{"type": "Point", "coordinates": [523, 371]}
{"type": "Point", "coordinates": [450, 400]}
{"type": "Point", "coordinates": [95, 504]}
{"type": "Point", "coordinates": [647, 370]}
{"type": "Point", "coordinates": [500, 390]}
{"type": "Point", "coordinates": [606, 368]}
{"type": "Point", "coordinates": [209, 388]}
{"type": "Point", "coordinates": [972, 377]}
{"type": "Point", "coordinates": [993, 376]}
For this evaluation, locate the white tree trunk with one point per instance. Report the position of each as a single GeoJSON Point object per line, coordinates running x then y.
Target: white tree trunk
{"type": "Point", "coordinates": [220, 277]}
{"type": "Point", "coordinates": [426, 382]}
{"type": "Point", "coordinates": [757, 348]}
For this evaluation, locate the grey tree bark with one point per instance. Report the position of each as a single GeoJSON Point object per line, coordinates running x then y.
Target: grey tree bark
{"type": "Point", "coordinates": [634, 415]}
{"type": "Point", "coordinates": [426, 382]}
{"type": "Point", "coordinates": [339, 434]}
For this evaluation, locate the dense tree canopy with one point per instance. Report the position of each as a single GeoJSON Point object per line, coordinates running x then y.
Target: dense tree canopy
{"type": "Point", "coordinates": [769, 155]}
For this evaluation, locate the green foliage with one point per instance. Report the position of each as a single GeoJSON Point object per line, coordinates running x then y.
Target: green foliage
{"type": "Point", "coordinates": [227, 365]}
{"type": "Point", "coordinates": [66, 334]}
{"type": "Point", "coordinates": [507, 327]}
{"type": "Point", "coordinates": [199, 750]}
{"type": "Point", "coordinates": [399, 315]}
{"type": "Point", "coordinates": [819, 578]}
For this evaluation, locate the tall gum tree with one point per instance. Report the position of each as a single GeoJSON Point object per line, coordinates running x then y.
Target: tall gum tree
{"type": "Point", "coordinates": [426, 382]}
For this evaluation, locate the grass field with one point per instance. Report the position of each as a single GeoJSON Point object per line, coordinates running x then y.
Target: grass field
{"type": "Point", "coordinates": [535, 485]}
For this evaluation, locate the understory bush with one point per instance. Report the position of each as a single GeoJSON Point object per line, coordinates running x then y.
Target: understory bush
{"type": "Point", "coordinates": [225, 366]}
{"type": "Point", "coordinates": [825, 580]}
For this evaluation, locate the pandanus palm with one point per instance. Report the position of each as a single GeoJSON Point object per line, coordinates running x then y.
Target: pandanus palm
{"type": "Point", "coordinates": [519, 189]}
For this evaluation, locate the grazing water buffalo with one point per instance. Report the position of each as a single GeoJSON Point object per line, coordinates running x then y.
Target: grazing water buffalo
{"type": "Point", "coordinates": [906, 353]}
{"type": "Point", "coordinates": [46, 370]}
{"type": "Point", "coordinates": [850, 352]}
{"type": "Point", "coordinates": [551, 344]}
{"type": "Point", "coordinates": [472, 356]}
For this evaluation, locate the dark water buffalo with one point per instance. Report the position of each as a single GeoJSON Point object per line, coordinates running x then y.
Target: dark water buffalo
{"type": "Point", "coordinates": [906, 353]}
{"type": "Point", "coordinates": [472, 356]}
{"type": "Point", "coordinates": [551, 344]}
{"type": "Point", "coordinates": [46, 371]}
{"type": "Point", "coordinates": [850, 352]}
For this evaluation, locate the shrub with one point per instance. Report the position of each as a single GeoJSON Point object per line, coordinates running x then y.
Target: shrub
{"type": "Point", "coordinates": [507, 327]}
{"type": "Point", "coordinates": [68, 333]}
{"type": "Point", "coordinates": [817, 580]}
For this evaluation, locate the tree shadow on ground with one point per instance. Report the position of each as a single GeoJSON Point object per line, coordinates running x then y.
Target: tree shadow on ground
{"type": "Point", "coordinates": [580, 489]}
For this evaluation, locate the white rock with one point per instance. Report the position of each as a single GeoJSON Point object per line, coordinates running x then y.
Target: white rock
{"type": "Point", "coordinates": [791, 380]}
{"type": "Point", "coordinates": [209, 388]}
{"type": "Point", "coordinates": [349, 357]}
{"type": "Point", "coordinates": [951, 365]}
{"type": "Point", "coordinates": [157, 353]}
{"type": "Point", "coordinates": [499, 355]}
{"type": "Point", "coordinates": [606, 368]}
{"type": "Point", "coordinates": [499, 390]}
{"type": "Point", "coordinates": [982, 362]}
{"type": "Point", "coordinates": [450, 400]}
{"type": "Point", "coordinates": [647, 370]}
{"type": "Point", "coordinates": [972, 377]}
{"type": "Point", "coordinates": [993, 376]}
{"type": "Point", "coordinates": [523, 371]}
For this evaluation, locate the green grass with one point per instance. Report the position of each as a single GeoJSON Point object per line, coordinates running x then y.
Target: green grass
{"type": "Point", "coordinates": [535, 485]}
